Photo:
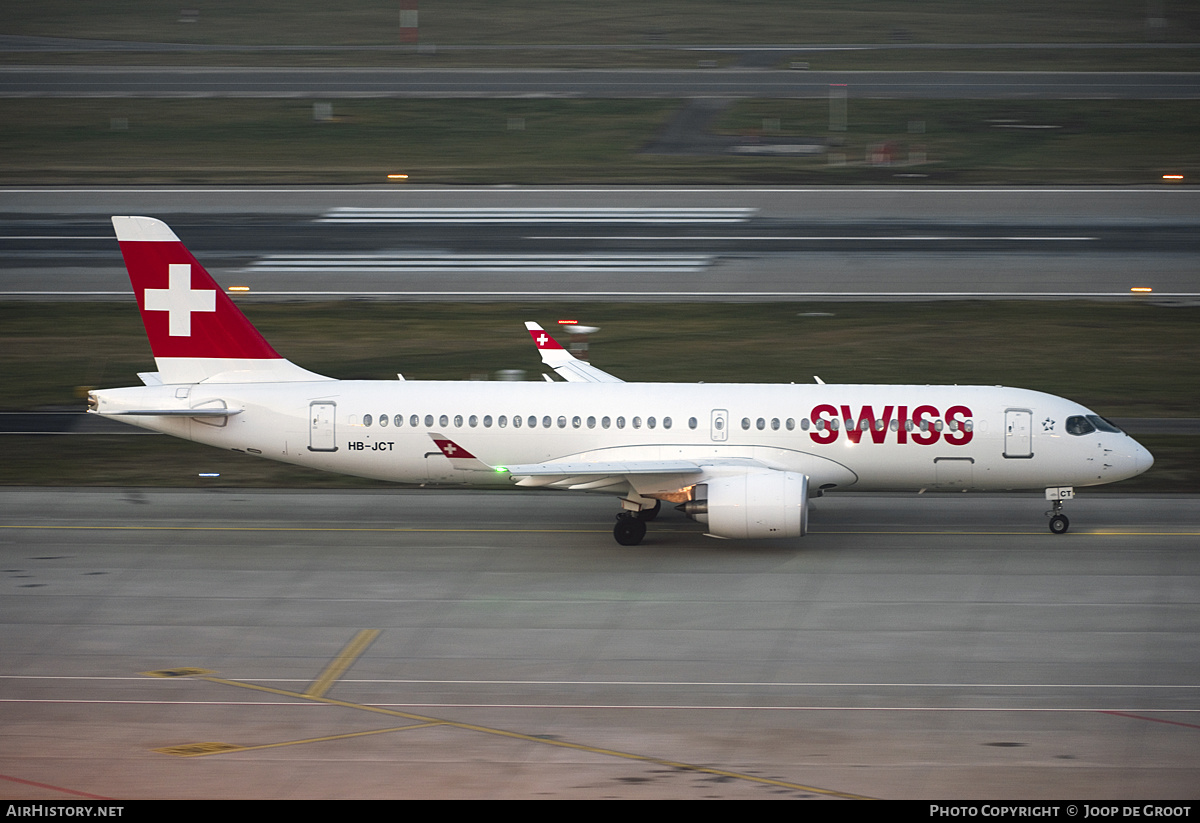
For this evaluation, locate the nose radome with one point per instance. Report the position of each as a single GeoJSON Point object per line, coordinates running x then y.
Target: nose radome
{"type": "Point", "coordinates": [1142, 459]}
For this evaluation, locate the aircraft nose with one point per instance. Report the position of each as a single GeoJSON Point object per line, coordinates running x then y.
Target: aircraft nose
{"type": "Point", "coordinates": [1142, 459]}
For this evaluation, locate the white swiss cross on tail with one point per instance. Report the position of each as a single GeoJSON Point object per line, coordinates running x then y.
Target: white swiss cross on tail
{"type": "Point", "coordinates": [179, 300]}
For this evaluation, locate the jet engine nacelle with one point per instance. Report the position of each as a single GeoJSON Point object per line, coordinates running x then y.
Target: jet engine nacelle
{"type": "Point", "coordinates": [764, 504]}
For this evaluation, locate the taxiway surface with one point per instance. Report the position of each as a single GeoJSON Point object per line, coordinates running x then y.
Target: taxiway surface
{"type": "Point", "coordinates": [447, 644]}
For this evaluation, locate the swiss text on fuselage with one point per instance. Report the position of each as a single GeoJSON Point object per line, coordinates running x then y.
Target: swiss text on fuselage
{"type": "Point", "coordinates": [925, 429]}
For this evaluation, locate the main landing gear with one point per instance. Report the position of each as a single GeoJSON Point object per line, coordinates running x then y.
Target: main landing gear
{"type": "Point", "coordinates": [631, 525]}
{"type": "Point", "coordinates": [1058, 521]}
{"type": "Point", "coordinates": [630, 529]}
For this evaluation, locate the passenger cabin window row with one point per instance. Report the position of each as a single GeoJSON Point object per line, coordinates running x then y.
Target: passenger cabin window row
{"type": "Point", "coordinates": [517, 421]}
{"type": "Point", "coordinates": [1075, 425]}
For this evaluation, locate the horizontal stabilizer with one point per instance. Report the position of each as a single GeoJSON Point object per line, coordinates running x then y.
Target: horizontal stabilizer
{"type": "Point", "coordinates": [172, 413]}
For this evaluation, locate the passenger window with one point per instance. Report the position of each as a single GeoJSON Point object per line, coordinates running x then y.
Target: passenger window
{"type": "Point", "coordinates": [532, 421]}
{"type": "Point", "coordinates": [746, 423]}
{"type": "Point", "coordinates": [791, 424]}
{"type": "Point", "coordinates": [804, 424]}
{"type": "Point", "coordinates": [666, 422]}
{"type": "Point", "coordinates": [650, 422]}
{"type": "Point", "coordinates": [473, 421]}
{"type": "Point", "coordinates": [383, 419]}
{"type": "Point", "coordinates": [546, 422]}
{"type": "Point", "coordinates": [429, 421]}
{"type": "Point", "coordinates": [516, 421]}
{"type": "Point", "coordinates": [692, 423]}
{"type": "Point", "coordinates": [895, 425]}
{"type": "Point", "coordinates": [774, 424]}
{"type": "Point", "coordinates": [443, 421]}
{"type": "Point", "coordinates": [604, 421]}
{"type": "Point", "coordinates": [576, 422]}
{"type": "Point", "coordinates": [399, 421]}
{"type": "Point", "coordinates": [562, 422]}
{"type": "Point", "coordinates": [502, 421]}
{"type": "Point", "coordinates": [637, 422]}
{"type": "Point", "coordinates": [414, 421]}
{"type": "Point", "coordinates": [591, 422]}
{"type": "Point", "coordinates": [760, 424]}
{"type": "Point", "coordinates": [367, 420]}
{"type": "Point", "coordinates": [487, 421]}
{"type": "Point", "coordinates": [458, 421]}
{"type": "Point", "coordinates": [620, 422]}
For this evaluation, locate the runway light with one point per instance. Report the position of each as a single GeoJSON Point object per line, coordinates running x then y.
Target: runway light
{"type": "Point", "coordinates": [397, 177]}
{"type": "Point", "coordinates": [1172, 177]}
{"type": "Point", "coordinates": [1142, 289]}
{"type": "Point", "coordinates": [238, 288]}
{"type": "Point", "coordinates": [210, 474]}
{"type": "Point", "coordinates": [568, 322]}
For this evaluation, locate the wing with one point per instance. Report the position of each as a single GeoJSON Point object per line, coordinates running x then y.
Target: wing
{"type": "Point", "coordinates": [643, 475]}
{"type": "Point", "coordinates": [568, 366]}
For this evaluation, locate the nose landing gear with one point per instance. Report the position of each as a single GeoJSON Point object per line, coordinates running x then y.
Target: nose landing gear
{"type": "Point", "coordinates": [1056, 495]}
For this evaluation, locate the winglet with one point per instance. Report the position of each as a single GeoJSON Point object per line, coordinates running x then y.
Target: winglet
{"type": "Point", "coordinates": [460, 458]}
{"type": "Point", "coordinates": [541, 339]}
{"type": "Point", "coordinates": [569, 367]}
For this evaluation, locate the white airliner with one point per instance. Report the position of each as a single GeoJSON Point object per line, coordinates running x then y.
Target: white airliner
{"type": "Point", "coordinates": [744, 459]}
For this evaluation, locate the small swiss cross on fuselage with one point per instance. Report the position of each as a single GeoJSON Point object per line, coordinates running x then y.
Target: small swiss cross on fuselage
{"type": "Point", "coordinates": [179, 300]}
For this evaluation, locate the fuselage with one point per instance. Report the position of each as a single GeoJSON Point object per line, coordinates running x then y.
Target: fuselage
{"type": "Point", "coordinates": [854, 437]}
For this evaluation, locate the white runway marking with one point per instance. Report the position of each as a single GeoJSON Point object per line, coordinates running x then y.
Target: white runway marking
{"type": "Point", "coordinates": [815, 237]}
{"type": "Point", "coordinates": [438, 261]}
{"type": "Point", "coordinates": [512, 214]}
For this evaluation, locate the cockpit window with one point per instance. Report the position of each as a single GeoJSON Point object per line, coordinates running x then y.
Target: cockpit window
{"type": "Point", "coordinates": [1078, 425]}
{"type": "Point", "coordinates": [1102, 424]}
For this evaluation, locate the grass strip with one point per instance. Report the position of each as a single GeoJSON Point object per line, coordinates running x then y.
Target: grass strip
{"type": "Point", "coordinates": [226, 141]}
